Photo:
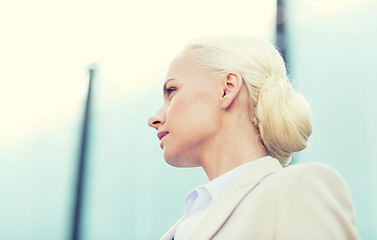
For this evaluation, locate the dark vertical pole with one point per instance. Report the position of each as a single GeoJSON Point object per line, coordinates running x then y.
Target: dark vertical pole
{"type": "Point", "coordinates": [281, 40]}
{"type": "Point", "coordinates": [80, 178]}
{"type": "Point", "coordinates": [280, 29]}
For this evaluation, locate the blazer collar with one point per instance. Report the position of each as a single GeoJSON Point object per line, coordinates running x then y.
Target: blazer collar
{"type": "Point", "coordinates": [218, 213]}
{"type": "Point", "coordinates": [170, 233]}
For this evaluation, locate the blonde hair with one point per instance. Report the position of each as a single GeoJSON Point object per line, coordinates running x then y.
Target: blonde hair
{"type": "Point", "coordinates": [281, 114]}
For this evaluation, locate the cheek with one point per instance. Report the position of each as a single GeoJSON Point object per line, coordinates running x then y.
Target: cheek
{"type": "Point", "coordinates": [191, 122]}
{"type": "Point", "coordinates": [193, 117]}
{"type": "Point", "coordinates": [191, 110]}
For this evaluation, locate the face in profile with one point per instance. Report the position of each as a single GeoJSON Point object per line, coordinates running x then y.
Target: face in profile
{"type": "Point", "coordinates": [188, 121]}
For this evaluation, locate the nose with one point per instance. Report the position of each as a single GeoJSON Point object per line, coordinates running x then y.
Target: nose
{"type": "Point", "coordinates": [157, 120]}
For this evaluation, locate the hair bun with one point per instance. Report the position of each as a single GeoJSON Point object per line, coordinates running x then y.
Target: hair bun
{"type": "Point", "coordinates": [284, 119]}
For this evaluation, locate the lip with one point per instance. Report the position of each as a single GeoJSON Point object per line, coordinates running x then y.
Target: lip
{"type": "Point", "coordinates": [160, 135]}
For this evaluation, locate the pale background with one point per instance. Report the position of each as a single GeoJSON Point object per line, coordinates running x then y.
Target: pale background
{"type": "Point", "coordinates": [45, 48]}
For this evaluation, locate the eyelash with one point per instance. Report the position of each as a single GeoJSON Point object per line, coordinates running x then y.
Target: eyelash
{"type": "Point", "coordinates": [170, 91]}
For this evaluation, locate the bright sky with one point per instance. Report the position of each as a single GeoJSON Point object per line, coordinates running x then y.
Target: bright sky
{"type": "Point", "coordinates": [46, 46]}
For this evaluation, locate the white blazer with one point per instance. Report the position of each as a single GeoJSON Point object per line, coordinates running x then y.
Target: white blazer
{"type": "Point", "coordinates": [302, 201]}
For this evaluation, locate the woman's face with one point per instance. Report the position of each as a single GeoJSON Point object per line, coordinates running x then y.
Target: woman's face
{"type": "Point", "coordinates": [188, 121]}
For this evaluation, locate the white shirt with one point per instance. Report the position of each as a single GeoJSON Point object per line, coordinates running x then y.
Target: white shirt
{"type": "Point", "coordinates": [200, 198]}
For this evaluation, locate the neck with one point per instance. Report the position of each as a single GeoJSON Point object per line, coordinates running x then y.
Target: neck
{"type": "Point", "coordinates": [232, 147]}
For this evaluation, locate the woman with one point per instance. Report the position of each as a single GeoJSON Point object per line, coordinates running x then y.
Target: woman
{"type": "Point", "coordinates": [230, 108]}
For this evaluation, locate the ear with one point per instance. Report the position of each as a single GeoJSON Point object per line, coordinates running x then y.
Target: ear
{"type": "Point", "coordinates": [232, 84]}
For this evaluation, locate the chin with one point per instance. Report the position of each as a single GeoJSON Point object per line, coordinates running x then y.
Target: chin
{"type": "Point", "coordinates": [176, 161]}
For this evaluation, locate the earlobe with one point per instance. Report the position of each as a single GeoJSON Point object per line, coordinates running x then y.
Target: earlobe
{"type": "Point", "coordinates": [232, 84]}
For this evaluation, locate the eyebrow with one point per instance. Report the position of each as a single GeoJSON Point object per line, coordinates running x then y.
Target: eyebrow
{"type": "Point", "coordinates": [165, 90]}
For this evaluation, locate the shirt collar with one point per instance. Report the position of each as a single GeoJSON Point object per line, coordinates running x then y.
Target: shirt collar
{"type": "Point", "coordinates": [214, 188]}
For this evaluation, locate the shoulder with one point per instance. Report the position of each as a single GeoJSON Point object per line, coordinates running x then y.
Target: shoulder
{"type": "Point", "coordinates": [312, 168]}
{"type": "Point", "coordinates": [309, 173]}
{"type": "Point", "coordinates": [315, 179]}
{"type": "Point", "coordinates": [307, 187]}
{"type": "Point", "coordinates": [315, 198]}
{"type": "Point", "coordinates": [302, 201]}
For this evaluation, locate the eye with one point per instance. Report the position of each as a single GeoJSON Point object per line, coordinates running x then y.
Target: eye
{"type": "Point", "coordinates": [169, 91]}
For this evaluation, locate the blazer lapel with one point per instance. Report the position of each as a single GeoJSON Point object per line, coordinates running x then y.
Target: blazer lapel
{"type": "Point", "coordinates": [221, 209]}
{"type": "Point", "coordinates": [170, 233]}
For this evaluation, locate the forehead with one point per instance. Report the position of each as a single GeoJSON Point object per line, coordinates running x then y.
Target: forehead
{"type": "Point", "coordinates": [182, 65]}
